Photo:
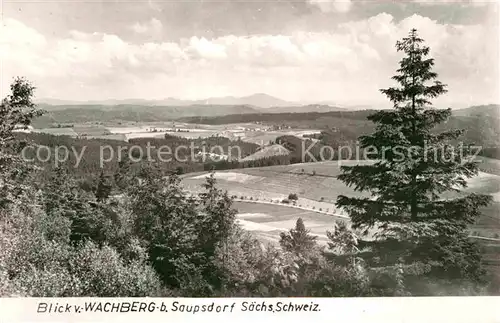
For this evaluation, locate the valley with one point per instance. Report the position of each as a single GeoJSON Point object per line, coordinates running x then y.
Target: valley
{"type": "Point", "coordinates": [317, 193]}
{"type": "Point", "coordinates": [256, 133]}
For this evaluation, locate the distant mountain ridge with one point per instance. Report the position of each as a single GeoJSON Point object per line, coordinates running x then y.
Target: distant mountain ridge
{"type": "Point", "coordinates": [64, 111]}
{"type": "Point", "coordinates": [481, 122]}
{"type": "Point", "coordinates": [260, 100]}
{"type": "Point", "coordinates": [77, 113]}
{"type": "Point", "coordinates": [81, 113]}
{"type": "Point", "coordinates": [482, 111]}
{"type": "Point", "coordinates": [305, 109]}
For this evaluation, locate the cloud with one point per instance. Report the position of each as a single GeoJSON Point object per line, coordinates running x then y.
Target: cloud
{"type": "Point", "coordinates": [466, 2]}
{"type": "Point", "coordinates": [348, 64]}
{"type": "Point", "coordinates": [203, 48]}
{"type": "Point", "coordinates": [153, 26]}
{"type": "Point", "coordinates": [23, 35]}
{"type": "Point", "coordinates": [332, 5]}
{"type": "Point", "coordinates": [344, 6]}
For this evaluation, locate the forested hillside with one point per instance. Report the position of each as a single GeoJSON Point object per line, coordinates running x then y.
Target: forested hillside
{"type": "Point", "coordinates": [481, 128]}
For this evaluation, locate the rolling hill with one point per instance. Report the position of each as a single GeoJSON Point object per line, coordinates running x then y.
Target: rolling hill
{"type": "Point", "coordinates": [260, 100]}
{"type": "Point", "coordinates": [306, 108]}
{"type": "Point", "coordinates": [82, 113]}
{"type": "Point", "coordinates": [480, 124]}
{"type": "Point", "coordinates": [480, 111]}
{"type": "Point", "coordinates": [269, 151]}
{"type": "Point", "coordinates": [318, 188]}
{"type": "Point", "coordinates": [128, 112]}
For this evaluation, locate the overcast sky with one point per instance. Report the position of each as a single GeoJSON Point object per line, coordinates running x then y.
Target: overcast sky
{"type": "Point", "coordinates": [341, 51]}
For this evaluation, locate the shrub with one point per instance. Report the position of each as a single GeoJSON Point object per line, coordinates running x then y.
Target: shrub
{"type": "Point", "coordinates": [293, 197]}
{"type": "Point", "coordinates": [7, 288]}
{"type": "Point", "coordinates": [54, 282]}
{"type": "Point", "coordinates": [103, 273]}
{"type": "Point", "coordinates": [35, 252]}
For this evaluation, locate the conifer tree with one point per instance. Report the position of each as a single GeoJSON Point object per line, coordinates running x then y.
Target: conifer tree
{"type": "Point", "coordinates": [215, 225]}
{"type": "Point", "coordinates": [414, 224]}
{"type": "Point", "coordinates": [298, 240]}
{"type": "Point", "coordinates": [17, 110]}
{"type": "Point", "coordinates": [164, 220]}
{"type": "Point", "coordinates": [122, 173]}
{"type": "Point", "coordinates": [104, 187]}
{"type": "Point", "coordinates": [219, 217]}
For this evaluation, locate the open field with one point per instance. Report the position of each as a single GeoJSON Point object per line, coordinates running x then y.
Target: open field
{"type": "Point", "coordinates": [276, 182]}
{"type": "Point", "coordinates": [320, 191]}
{"type": "Point", "coordinates": [489, 165]}
{"type": "Point", "coordinates": [85, 130]}
{"type": "Point", "coordinates": [267, 220]}
{"type": "Point", "coordinates": [58, 131]}
{"type": "Point", "coordinates": [318, 180]}
{"type": "Point", "coordinates": [248, 132]}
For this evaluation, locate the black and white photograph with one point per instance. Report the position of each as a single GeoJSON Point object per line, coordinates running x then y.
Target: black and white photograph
{"type": "Point", "coordinates": [249, 149]}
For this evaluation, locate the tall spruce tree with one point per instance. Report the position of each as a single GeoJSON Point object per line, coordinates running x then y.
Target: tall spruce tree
{"type": "Point", "coordinates": [415, 225]}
